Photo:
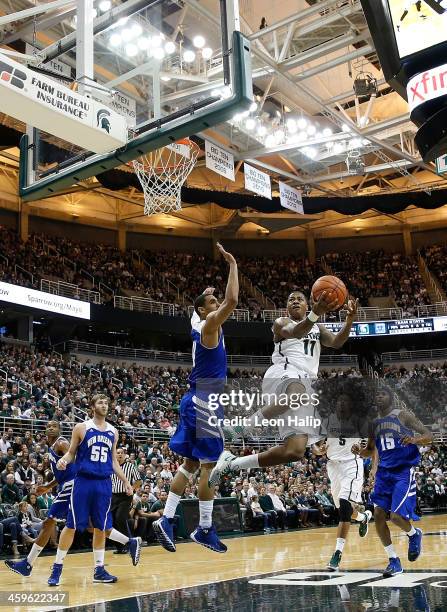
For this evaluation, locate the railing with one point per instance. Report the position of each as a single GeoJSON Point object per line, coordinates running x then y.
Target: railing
{"type": "Point", "coordinates": [429, 279]}
{"type": "Point", "coordinates": [272, 315]}
{"type": "Point", "coordinates": [432, 310]}
{"type": "Point", "coordinates": [421, 355]}
{"type": "Point", "coordinates": [26, 272]}
{"type": "Point", "coordinates": [69, 263]}
{"type": "Point", "coordinates": [91, 279]}
{"type": "Point", "coordinates": [152, 355]}
{"type": "Point", "coordinates": [239, 314]}
{"type": "Point", "coordinates": [369, 313]}
{"type": "Point", "coordinates": [143, 305]}
{"type": "Point", "coordinates": [71, 291]}
{"type": "Point", "coordinates": [256, 293]}
{"type": "Point", "coordinates": [103, 288]}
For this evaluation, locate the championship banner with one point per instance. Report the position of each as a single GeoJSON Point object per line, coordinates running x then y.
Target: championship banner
{"type": "Point", "coordinates": [218, 160]}
{"type": "Point", "coordinates": [50, 106]}
{"type": "Point", "coordinates": [41, 300]}
{"type": "Point", "coordinates": [291, 198]}
{"type": "Point", "coordinates": [257, 181]}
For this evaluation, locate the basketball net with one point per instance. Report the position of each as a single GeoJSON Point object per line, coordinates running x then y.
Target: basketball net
{"type": "Point", "coordinates": [162, 174]}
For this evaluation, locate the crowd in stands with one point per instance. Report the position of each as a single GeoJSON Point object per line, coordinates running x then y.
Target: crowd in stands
{"type": "Point", "coordinates": [377, 274]}
{"type": "Point", "coordinates": [177, 278]}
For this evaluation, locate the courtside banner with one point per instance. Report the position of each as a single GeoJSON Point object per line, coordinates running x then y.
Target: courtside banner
{"type": "Point", "coordinates": [54, 108]}
{"type": "Point", "coordinates": [44, 301]}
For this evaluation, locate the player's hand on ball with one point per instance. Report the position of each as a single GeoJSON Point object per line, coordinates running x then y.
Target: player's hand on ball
{"type": "Point", "coordinates": [61, 464]}
{"type": "Point", "coordinates": [324, 304]}
{"type": "Point", "coordinates": [225, 254]}
{"type": "Point", "coordinates": [352, 307]}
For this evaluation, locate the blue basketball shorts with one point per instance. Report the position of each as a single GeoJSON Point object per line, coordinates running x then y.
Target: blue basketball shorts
{"type": "Point", "coordinates": [197, 437]}
{"type": "Point", "coordinates": [90, 499]}
{"type": "Point", "coordinates": [61, 503]}
{"type": "Point", "coordinates": [395, 491]}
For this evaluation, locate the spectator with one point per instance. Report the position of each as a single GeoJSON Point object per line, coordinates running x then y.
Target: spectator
{"type": "Point", "coordinates": [11, 493]}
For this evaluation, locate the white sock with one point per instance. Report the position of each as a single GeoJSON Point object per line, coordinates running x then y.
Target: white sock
{"type": "Point", "coordinates": [360, 517]}
{"type": "Point", "coordinates": [34, 553]}
{"type": "Point", "coordinates": [98, 555]}
{"type": "Point", "coordinates": [245, 463]}
{"type": "Point", "coordinates": [60, 555]}
{"type": "Point", "coordinates": [390, 552]}
{"type": "Point", "coordinates": [340, 544]}
{"type": "Point", "coordinates": [206, 513]}
{"type": "Point", "coordinates": [117, 536]}
{"type": "Point", "coordinates": [171, 504]}
{"type": "Point", "coordinates": [411, 532]}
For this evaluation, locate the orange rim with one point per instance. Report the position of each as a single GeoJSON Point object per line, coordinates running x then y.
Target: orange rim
{"type": "Point", "coordinates": [184, 141]}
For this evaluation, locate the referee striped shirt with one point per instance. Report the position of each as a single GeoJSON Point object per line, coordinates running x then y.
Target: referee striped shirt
{"type": "Point", "coordinates": [132, 475]}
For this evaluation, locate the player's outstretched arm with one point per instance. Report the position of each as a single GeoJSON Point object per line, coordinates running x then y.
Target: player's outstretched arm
{"type": "Point", "coordinates": [215, 319]}
{"type": "Point", "coordinates": [366, 450]}
{"type": "Point", "coordinates": [337, 340]}
{"type": "Point", "coordinates": [76, 438]}
{"type": "Point", "coordinates": [410, 420]}
{"type": "Point", "coordinates": [319, 448]}
{"type": "Point", "coordinates": [285, 328]}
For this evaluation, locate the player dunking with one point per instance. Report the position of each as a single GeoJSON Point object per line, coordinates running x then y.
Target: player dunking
{"type": "Point", "coordinates": [395, 483]}
{"type": "Point", "coordinates": [93, 445]}
{"type": "Point", "coordinates": [296, 357]}
{"type": "Point", "coordinates": [345, 471]}
{"type": "Point", "coordinates": [198, 442]}
{"type": "Point", "coordinates": [64, 479]}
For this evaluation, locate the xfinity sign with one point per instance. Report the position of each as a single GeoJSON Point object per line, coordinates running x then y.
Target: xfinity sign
{"type": "Point", "coordinates": [427, 86]}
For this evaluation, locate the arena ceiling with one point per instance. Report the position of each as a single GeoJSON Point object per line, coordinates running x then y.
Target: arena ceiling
{"type": "Point", "coordinates": [305, 62]}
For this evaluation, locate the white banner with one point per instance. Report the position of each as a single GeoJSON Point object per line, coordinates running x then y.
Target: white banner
{"type": "Point", "coordinates": [125, 106]}
{"type": "Point", "coordinates": [50, 106]}
{"type": "Point", "coordinates": [182, 149]}
{"type": "Point", "coordinates": [441, 164]}
{"type": "Point", "coordinates": [218, 160]}
{"type": "Point", "coordinates": [257, 181]}
{"type": "Point", "coordinates": [44, 301]}
{"type": "Point", "coordinates": [59, 68]}
{"type": "Point", "coordinates": [291, 198]}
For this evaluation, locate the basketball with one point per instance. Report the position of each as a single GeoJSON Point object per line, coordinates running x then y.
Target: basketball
{"type": "Point", "coordinates": [334, 286]}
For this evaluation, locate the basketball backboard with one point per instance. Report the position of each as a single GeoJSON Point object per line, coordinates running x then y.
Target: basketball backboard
{"type": "Point", "coordinates": [172, 69]}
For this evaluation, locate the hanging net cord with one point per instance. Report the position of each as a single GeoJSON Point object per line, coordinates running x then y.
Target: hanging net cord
{"type": "Point", "coordinates": [162, 174]}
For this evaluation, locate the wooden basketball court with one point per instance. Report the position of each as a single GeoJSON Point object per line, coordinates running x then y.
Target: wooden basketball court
{"type": "Point", "coordinates": [282, 571]}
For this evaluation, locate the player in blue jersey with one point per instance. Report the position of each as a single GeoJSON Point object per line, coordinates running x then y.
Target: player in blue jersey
{"type": "Point", "coordinates": [93, 445]}
{"type": "Point", "coordinates": [197, 439]}
{"type": "Point", "coordinates": [393, 435]}
{"type": "Point", "coordinates": [63, 479]}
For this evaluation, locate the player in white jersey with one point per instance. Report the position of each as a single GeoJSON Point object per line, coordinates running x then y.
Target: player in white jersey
{"type": "Point", "coordinates": [296, 356]}
{"type": "Point", "coordinates": [345, 471]}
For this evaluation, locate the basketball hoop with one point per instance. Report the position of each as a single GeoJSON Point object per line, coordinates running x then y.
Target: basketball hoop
{"type": "Point", "coordinates": [162, 174]}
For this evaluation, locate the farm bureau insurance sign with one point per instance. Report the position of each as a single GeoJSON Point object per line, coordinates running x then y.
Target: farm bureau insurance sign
{"type": "Point", "coordinates": [44, 301]}
{"type": "Point", "coordinates": [257, 181]}
{"type": "Point", "coordinates": [50, 106]}
{"type": "Point", "coordinates": [218, 160]}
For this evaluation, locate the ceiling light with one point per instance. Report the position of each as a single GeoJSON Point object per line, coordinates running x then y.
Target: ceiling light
{"type": "Point", "coordinates": [365, 142]}
{"type": "Point", "coordinates": [253, 107]}
{"type": "Point", "coordinates": [143, 43]}
{"type": "Point", "coordinates": [270, 140]}
{"type": "Point", "coordinates": [279, 135]}
{"type": "Point", "coordinates": [310, 152]}
{"type": "Point", "coordinates": [156, 41]}
{"type": "Point", "coordinates": [131, 50]}
{"type": "Point", "coordinates": [302, 123]}
{"type": "Point", "coordinates": [237, 117]}
{"type": "Point", "coordinates": [198, 41]}
{"type": "Point", "coordinates": [363, 121]}
{"type": "Point", "coordinates": [115, 40]}
{"type": "Point", "coordinates": [339, 147]}
{"type": "Point", "coordinates": [262, 130]}
{"type": "Point", "coordinates": [170, 47]}
{"type": "Point", "coordinates": [137, 30]}
{"type": "Point", "coordinates": [226, 92]}
{"type": "Point", "coordinates": [327, 132]}
{"type": "Point", "coordinates": [189, 56]}
{"type": "Point", "coordinates": [207, 52]}
{"type": "Point", "coordinates": [158, 53]}
{"type": "Point", "coordinates": [94, 13]}
{"type": "Point", "coordinates": [329, 144]}
{"type": "Point", "coordinates": [301, 136]}
{"type": "Point", "coordinates": [165, 78]}
{"type": "Point", "coordinates": [126, 34]}
{"type": "Point", "coordinates": [311, 130]}
{"type": "Point", "coordinates": [291, 126]}
{"type": "Point", "coordinates": [345, 128]}
{"type": "Point", "coordinates": [250, 124]}
{"type": "Point", "coordinates": [355, 143]}
{"type": "Point", "coordinates": [105, 5]}
{"type": "Point", "coordinates": [122, 22]}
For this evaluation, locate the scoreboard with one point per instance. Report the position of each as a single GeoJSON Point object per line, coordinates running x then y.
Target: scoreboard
{"type": "Point", "coordinates": [410, 37]}
{"type": "Point", "coordinates": [394, 327]}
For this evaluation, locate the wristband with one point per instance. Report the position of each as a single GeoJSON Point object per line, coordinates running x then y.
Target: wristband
{"type": "Point", "coordinates": [313, 318]}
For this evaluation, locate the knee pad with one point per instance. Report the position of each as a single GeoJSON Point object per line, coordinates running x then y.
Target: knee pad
{"type": "Point", "coordinates": [185, 472]}
{"type": "Point", "coordinates": [345, 511]}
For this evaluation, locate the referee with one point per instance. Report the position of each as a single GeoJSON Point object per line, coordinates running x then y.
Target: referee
{"type": "Point", "coordinates": [121, 502]}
